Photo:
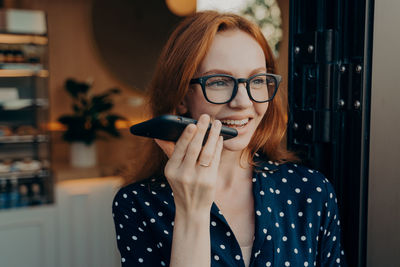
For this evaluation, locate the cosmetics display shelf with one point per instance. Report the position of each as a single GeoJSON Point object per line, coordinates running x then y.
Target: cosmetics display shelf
{"type": "Point", "coordinates": [21, 66]}
{"type": "Point", "coordinates": [24, 139]}
{"type": "Point", "coordinates": [25, 174]}
{"type": "Point", "coordinates": [43, 173]}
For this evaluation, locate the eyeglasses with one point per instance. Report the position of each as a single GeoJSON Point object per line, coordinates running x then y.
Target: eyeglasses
{"type": "Point", "coordinates": [222, 88]}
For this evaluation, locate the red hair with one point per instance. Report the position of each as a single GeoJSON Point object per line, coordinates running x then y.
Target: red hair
{"type": "Point", "coordinates": [177, 65]}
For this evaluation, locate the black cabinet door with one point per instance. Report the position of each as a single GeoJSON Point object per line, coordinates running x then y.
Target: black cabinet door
{"type": "Point", "coordinates": [329, 97]}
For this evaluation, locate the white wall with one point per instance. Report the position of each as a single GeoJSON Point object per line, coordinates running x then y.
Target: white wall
{"type": "Point", "coordinates": [76, 231]}
{"type": "Point", "coordinates": [384, 176]}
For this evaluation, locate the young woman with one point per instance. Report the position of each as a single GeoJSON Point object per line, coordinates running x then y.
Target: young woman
{"type": "Point", "coordinates": [239, 202]}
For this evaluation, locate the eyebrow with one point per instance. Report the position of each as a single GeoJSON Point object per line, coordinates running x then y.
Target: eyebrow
{"type": "Point", "coordinates": [221, 71]}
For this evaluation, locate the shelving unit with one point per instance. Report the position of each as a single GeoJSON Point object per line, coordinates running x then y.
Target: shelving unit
{"type": "Point", "coordinates": [25, 174]}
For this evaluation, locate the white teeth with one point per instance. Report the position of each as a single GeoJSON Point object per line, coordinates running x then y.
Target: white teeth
{"type": "Point", "coordinates": [235, 122]}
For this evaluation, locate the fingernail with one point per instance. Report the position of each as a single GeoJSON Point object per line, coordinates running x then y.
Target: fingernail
{"type": "Point", "coordinates": [217, 123]}
{"type": "Point", "coordinates": [190, 128]}
{"type": "Point", "coordinates": [204, 117]}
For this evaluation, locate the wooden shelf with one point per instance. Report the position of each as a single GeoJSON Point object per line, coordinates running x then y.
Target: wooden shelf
{"type": "Point", "coordinates": [25, 174]}
{"type": "Point", "coordinates": [23, 73]}
{"type": "Point", "coordinates": [23, 139]}
{"type": "Point", "coordinates": [23, 39]}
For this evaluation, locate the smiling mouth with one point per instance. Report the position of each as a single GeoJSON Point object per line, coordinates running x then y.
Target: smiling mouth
{"type": "Point", "coordinates": [235, 123]}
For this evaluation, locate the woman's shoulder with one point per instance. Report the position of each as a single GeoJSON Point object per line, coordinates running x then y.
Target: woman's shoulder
{"type": "Point", "coordinates": [140, 194]}
{"type": "Point", "coordinates": [298, 173]}
{"type": "Point", "coordinates": [131, 190]}
{"type": "Point", "coordinates": [143, 187]}
{"type": "Point", "coordinates": [291, 179]}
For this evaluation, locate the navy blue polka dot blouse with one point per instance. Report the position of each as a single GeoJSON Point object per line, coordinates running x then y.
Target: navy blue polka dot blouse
{"type": "Point", "coordinates": [296, 221]}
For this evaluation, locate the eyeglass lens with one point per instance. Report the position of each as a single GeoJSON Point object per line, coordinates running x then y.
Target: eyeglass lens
{"type": "Point", "coordinates": [219, 88]}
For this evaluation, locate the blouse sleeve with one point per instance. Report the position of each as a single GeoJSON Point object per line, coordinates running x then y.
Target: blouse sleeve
{"type": "Point", "coordinates": [134, 239]}
{"type": "Point", "coordinates": [331, 253]}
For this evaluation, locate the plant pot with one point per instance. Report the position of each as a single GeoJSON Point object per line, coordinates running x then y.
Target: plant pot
{"type": "Point", "coordinates": [83, 155]}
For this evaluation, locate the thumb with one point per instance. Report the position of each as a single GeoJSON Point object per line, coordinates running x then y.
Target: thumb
{"type": "Point", "coordinates": [167, 146]}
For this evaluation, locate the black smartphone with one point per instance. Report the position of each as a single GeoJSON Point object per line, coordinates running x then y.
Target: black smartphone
{"type": "Point", "coordinates": [170, 128]}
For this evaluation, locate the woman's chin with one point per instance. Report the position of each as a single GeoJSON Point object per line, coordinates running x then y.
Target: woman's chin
{"type": "Point", "coordinates": [236, 144]}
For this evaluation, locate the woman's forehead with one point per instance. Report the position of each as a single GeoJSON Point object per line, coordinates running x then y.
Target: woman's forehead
{"type": "Point", "coordinates": [234, 51]}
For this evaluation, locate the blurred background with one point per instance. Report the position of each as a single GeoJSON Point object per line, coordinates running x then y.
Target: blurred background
{"type": "Point", "coordinates": [73, 78]}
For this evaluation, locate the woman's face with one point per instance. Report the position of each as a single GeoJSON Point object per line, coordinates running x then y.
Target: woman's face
{"type": "Point", "coordinates": [236, 53]}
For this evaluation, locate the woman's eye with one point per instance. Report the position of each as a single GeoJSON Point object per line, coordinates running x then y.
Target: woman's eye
{"type": "Point", "coordinates": [217, 83]}
{"type": "Point", "coordinates": [220, 83]}
{"type": "Point", "coordinates": [259, 81]}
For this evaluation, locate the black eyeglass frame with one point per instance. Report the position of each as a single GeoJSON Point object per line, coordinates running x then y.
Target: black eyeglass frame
{"type": "Point", "coordinates": [202, 81]}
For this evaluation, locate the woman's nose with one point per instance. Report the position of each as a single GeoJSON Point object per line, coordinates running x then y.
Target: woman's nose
{"type": "Point", "coordinates": [242, 99]}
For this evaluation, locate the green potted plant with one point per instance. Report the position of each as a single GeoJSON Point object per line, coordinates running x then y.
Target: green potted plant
{"type": "Point", "coordinates": [90, 120]}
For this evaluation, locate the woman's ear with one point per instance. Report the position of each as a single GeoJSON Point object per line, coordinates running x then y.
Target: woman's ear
{"type": "Point", "coordinates": [182, 107]}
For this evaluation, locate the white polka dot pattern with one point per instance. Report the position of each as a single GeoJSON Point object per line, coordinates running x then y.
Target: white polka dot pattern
{"type": "Point", "coordinates": [296, 218]}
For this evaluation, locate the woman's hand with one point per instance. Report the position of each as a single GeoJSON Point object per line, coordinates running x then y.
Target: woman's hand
{"type": "Point", "coordinates": [192, 169]}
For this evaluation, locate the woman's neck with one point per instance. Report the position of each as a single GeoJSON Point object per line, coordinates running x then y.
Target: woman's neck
{"type": "Point", "coordinates": [233, 169]}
